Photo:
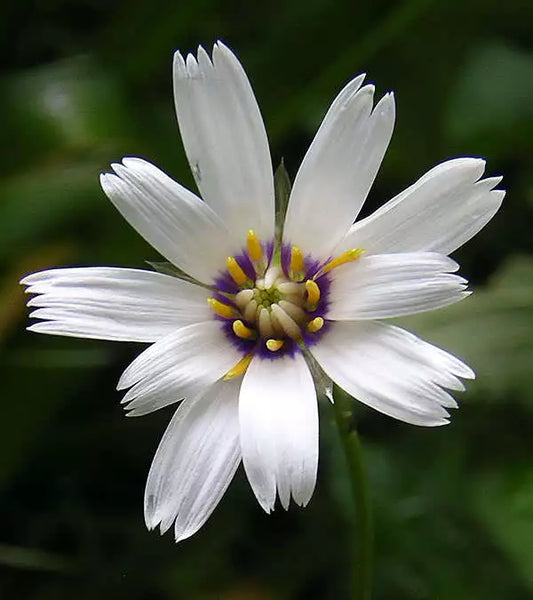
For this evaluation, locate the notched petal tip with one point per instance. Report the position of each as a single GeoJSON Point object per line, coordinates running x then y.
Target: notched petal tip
{"type": "Point", "coordinates": [438, 423]}
{"type": "Point", "coordinates": [180, 537]}
{"type": "Point", "coordinates": [221, 51]}
{"type": "Point", "coordinates": [461, 369]}
{"type": "Point", "coordinates": [125, 381]}
{"type": "Point", "coordinates": [266, 507]}
{"type": "Point", "coordinates": [498, 196]}
{"type": "Point", "coordinates": [490, 182]}
{"type": "Point", "coordinates": [302, 502]}
{"type": "Point", "coordinates": [179, 68]}
{"type": "Point", "coordinates": [110, 183]}
{"type": "Point", "coordinates": [204, 61]}
{"type": "Point", "coordinates": [131, 162]}
{"type": "Point", "coordinates": [192, 66]}
{"type": "Point", "coordinates": [37, 327]}
{"type": "Point", "coordinates": [354, 83]}
{"type": "Point", "coordinates": [386, 106]}
{"type": "Point", "coordinates": [115, 166]}
{"type": "Point", "coordinates": [133, 413]}
{"type": "Point", "coordinates": [152, 517]}
{"type": "Point", "coordinates": [469, 373]}
{"type": "Point", "coordinates": [449, 265]}
{"type": "Point", "coordinates": [478, 165]}
{"type": "Point", "coordinates": [475, 166]}
{"type": "Point", "coordinates": [367, 91]}
{"type": "Point", "coordinates": [221, 46]}
{"type": "Point", "coordinates": [27, 281]}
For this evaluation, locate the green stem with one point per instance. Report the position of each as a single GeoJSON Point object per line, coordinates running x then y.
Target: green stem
{"type": "Point", "coordinates": [363, 537]}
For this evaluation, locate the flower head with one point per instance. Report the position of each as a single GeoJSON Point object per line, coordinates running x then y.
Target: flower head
{"type": "Point", "coordinates": [256, 308]}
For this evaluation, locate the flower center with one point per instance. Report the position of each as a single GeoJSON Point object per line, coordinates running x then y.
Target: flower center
{"type": "Point", "coordinates": [272, 303]}
{"type": "Point", "coordinates": [277, 308]}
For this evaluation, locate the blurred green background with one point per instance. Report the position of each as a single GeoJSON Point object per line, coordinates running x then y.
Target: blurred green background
{"type": "Point", "coordinates": [84, 83]}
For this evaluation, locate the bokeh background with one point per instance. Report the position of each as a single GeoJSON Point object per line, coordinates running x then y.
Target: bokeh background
{"type": "Point", "coordinates": [84, 83]}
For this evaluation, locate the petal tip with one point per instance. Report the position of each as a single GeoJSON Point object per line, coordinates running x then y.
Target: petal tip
{"type": "Point", "coordinates": [367, 90]}
{"type": "Point", "coordinates": [498, 196]}
{"type": "Point", "coordinates": [204, 60]}
{"type": "Point", "coordinates": [178, 65]}
{"type": "Point", "coordinates": [180, 536]}
{"type": "Point", "coordinates": [191, 65]}
{"type": "Point", "coordinates": [26, 280]}
{"type": "Point", "coordinates": [123, 382]}
{"type": "Point", "coordinates": [220, 48]}
{"type": "Point", "coordinates": [133, 161]}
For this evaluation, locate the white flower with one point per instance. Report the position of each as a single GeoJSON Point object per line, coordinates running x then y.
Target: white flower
{"type": "Point", "coordinates": [237, 348]}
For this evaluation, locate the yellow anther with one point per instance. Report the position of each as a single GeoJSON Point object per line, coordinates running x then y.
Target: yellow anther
{"type": "Point", "coordinates": [296, 267]}
{"type": "Point", "coordinates": [315, 325]}
{"type": "Point", "coordinates": [240, 330]}
{"type": "Point", "coordinates": [297, 259]}
{"type": "Point", "coordinates": [343, 258]}
{"type": "Point", "coordinates": [239, 368]}
{"type": "Point", "coordinates": [221, 309]}
{"type": "Point", "coordinates": [255, 252]}
{"type": "Point", "coordinates": [236, 272]}
{"type": "Point", "coordinates": [313, 294]}
{"type": "Point", "coordinates": [274, 345]}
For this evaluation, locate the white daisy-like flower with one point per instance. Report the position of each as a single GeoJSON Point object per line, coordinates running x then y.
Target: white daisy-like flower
{"type": "Point", "coordinates": [265, 306]}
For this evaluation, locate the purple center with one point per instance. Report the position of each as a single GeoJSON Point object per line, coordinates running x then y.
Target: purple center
{"type": "Point", "coordinates": [275, 310]}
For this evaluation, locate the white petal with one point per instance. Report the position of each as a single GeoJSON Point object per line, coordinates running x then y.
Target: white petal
{"type": "Point", "coordinates": [225, 140]}
{"type": "Point", "coordinates": [440, 212]}
{"type": "Point", "coordinates": [391, 370]}
{"type": "Point", "coordinates": [279, 430]}
{"type": "Point", "coordinates": [392, 285]}
{"type": "Point", "coordinates": [182, 364]}
{"type": "Point", "coordinates": [171, 218]}
{"type": "Point", "coordinates": [339, 169]}
{"type": "Point", "coordinates": [113, 304]}
{"type": "Point", "coordinates": [195, 462]}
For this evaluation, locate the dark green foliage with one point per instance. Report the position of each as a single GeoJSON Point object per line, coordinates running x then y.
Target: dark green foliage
{"type": "Point", "coordinates": [85, 83]}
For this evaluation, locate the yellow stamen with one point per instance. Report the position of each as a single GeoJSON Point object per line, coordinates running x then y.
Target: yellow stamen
{"type": "Point", "coordinates": [240, 330]}
{"type": "Point", "coordinates": [313, 294]}
{"type": "Point", "coordinates": [343, 258]}
{"type": "Point", "coordinates": [274, 345]}
{"type": "Point", "coordinates": [221, 309]}
{"type": "Point", "coordinates": [255, 252]}
{"type": "Point", "coordinates": [296, 267]}
{"type": "Point", "coordinates": [236, 272]}
{"type": "Point", "coordinates": [315, 325]}
{"type": "Point", "coordinates": [239, 368]}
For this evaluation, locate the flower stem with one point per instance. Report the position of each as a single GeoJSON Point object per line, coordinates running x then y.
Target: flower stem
{"type": "Point", "coordinates": [362, 538]}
